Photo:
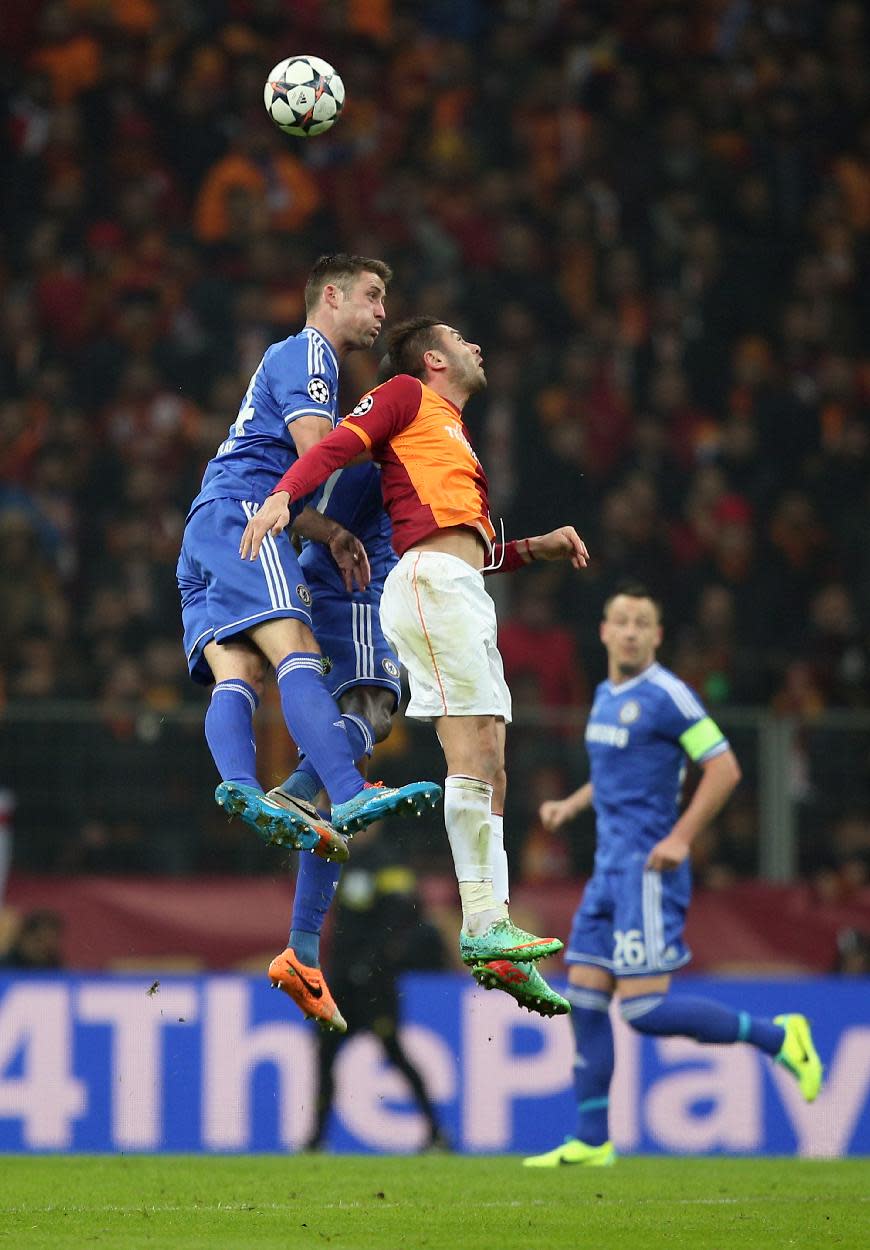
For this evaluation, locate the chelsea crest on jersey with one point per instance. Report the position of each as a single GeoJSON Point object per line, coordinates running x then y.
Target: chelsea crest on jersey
{"type": "Point", "coordinates": [296, 377]}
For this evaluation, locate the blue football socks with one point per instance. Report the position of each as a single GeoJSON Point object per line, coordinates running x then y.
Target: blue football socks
{"type": "Point", "coordinates": [229, 731]}
{"type": "Point", "coordinates": [700, 1018]}
{"type": "Point", "coordinates": [316, 883]}
{"type": "Point", "coordinates": [593, 1061]}
{"type": "Point", "coordinates": [657, 1015]}
{"type": "Point", "coordinates": [305, 782]}
{"type": "Point", "coordinates": [316, 725]}
{"type": "Point", "coordinates": [360, 734]}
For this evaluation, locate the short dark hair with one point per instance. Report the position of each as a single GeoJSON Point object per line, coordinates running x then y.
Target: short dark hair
{"type": "Point", "coordinates": [341, 268]}
{"type": "Point", "coordinates": [408, 342]}
{"type": "Point", "coordinates": [633, 590]}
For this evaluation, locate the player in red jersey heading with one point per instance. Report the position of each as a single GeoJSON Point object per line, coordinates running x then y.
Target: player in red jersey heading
{"type": "Point", "coordinates": [440, 619]}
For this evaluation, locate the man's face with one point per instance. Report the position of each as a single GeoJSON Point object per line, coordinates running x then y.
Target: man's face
{"type": "Point", "coordinates": [360, 311]}
{"type": "Point", "coordinates": [631, 633]}
{"type": "Point", "coordinates": [465, 362]}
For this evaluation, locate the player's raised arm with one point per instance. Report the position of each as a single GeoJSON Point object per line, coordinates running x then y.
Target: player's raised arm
{"type": "Point", "coordinates": [561, 544]}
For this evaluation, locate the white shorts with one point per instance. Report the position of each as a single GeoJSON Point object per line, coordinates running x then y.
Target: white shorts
{"type": "Point", "coordinates": [438, 616]}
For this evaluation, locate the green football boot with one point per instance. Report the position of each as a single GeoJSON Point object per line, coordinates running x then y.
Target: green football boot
{"type": "Point", "coordinates": [503, 940]}
{"type": "Point", "coordinates": [573, 1151]}
{"type": "Point", "coordinates": [799, 1055]}
{"type": "Point", "coordinates": [524, 983]}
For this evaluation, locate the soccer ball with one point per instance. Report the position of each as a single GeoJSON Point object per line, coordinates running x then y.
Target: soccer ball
{"type": "Point", "coordinates": [303, 95]}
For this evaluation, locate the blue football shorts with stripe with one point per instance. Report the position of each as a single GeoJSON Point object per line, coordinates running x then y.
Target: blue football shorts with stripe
{"type": "Point", "coordinates": [630, 921]}
{"type": "Point", "coordinates": [223, 595]}
{"type": "Point", "coordinates": [348, 632]}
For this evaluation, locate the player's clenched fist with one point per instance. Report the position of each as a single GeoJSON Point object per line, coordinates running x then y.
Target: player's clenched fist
{"type": "Point", "coordinates": [271, 518]}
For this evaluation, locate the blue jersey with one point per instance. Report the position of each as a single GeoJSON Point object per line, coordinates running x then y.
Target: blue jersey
{"type": "Point", "coordinates": [638, 736]}
{"type": "Point", "coordinates": [348, 627]}
{"type": "Point", "coordinates": [352, 496]}
{"type": "Point", "coordinates": [295, 378]}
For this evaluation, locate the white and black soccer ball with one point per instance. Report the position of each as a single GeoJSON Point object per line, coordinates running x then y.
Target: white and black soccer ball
{"type": "Point", "coordinates": [303, 95]}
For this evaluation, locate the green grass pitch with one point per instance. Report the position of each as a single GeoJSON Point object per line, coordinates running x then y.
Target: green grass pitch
{"type": "Point", "coordinates": [435, 1202]}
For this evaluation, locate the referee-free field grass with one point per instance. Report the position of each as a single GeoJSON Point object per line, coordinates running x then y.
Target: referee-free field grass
{"type": "Point", "coordinates": [435, 1202]}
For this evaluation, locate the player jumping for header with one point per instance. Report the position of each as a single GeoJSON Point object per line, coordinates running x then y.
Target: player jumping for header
{"type": "Point", "coordinates": [438, 616]}
{"type": "Point", "coordinates": [240, 617]}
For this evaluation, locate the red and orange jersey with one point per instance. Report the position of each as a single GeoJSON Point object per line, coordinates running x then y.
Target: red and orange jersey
{"type": "Point", "coordinates": [430, 476]}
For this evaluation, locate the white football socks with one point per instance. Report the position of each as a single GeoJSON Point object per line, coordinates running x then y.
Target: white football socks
{"type": "Point", "coordinates": [469, 830]}
{"type": "Point", "coordinates": [500, 879]}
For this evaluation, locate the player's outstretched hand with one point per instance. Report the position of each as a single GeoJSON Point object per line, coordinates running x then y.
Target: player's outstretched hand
{"type": "Point", "coordinates": [561, 544]}
{"type": "Point", "coordinates": [350, 555]}
{"type": "Point", "coordinates": [668, 854]}
{"type": "Point", "coordinates": [271, 518]}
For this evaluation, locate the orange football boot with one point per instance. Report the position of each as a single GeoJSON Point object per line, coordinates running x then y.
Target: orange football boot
{"type": "Point", "coordinates": [308, 990]}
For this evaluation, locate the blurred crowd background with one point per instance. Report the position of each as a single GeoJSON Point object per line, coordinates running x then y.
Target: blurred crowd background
{"type": "Point", "coordinates": [655, 219]}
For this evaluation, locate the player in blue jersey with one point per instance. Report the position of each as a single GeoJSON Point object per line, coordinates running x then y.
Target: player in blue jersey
{"type": "Point", "coordinates": [627, 935]}
{"type": "Point", "coordinates": [239, 617]}
{"type": "Point", "coordinates": [363, 676]}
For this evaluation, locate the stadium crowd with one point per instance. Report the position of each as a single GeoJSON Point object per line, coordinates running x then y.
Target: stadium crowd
{"type": "Point", "coordinates": [654, 217]}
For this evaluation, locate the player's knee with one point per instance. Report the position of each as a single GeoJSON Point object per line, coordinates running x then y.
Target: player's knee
{"type": "Point", "coordinates": [256, 677]}
{"type": "Point", "coordinates": [489, 763]}
{"type": "Point", "coordinates": [376, 707]}
{"type": "Point", "coordinates": [258, 681]}
{"type": "Point", "coordinates": [381, 723]}
{"type": "Point", "coordinates": [243, 663]}
{"type": "Point", "coordinates": [589, 977]}
{"type": "Point", "coordinates": [499, 789]}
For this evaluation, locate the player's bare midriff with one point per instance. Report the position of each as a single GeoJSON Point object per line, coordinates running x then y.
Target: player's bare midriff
{"type": "Point", "coordinates": [456, 540]}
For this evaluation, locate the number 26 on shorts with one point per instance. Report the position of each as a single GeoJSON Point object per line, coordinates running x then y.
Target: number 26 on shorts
{"type": "Point", "coordinates": [628, 948]}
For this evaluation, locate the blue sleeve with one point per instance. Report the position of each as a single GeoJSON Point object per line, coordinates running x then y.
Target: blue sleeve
{"type": "Point", "coordinates": [682, 718]}
{"type": "Point", "coordinates": [300, 381]}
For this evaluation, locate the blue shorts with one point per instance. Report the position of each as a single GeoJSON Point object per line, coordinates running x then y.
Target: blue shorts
{"type": "Point", "coordinates": [222, 594]}
{"type": "Point", "coordinates": [630, 921]}
{"type": "Point", "coordinates": [348, 632]}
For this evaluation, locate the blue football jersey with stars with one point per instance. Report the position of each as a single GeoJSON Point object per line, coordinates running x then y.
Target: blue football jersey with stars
{"type": "Point", "coordinates": [295, 378]}
{"type": "Point", "coordinates": [638, 737]}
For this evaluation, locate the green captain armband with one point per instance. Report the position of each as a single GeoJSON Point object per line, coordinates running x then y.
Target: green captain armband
{"type": "Point", "coordinates": [698, 740]}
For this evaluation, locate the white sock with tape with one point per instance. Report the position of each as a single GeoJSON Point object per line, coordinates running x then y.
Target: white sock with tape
{"type": "Point", "coordinates": [500, 879]}
{"type": "Point", "coordinates": [469, 830]}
